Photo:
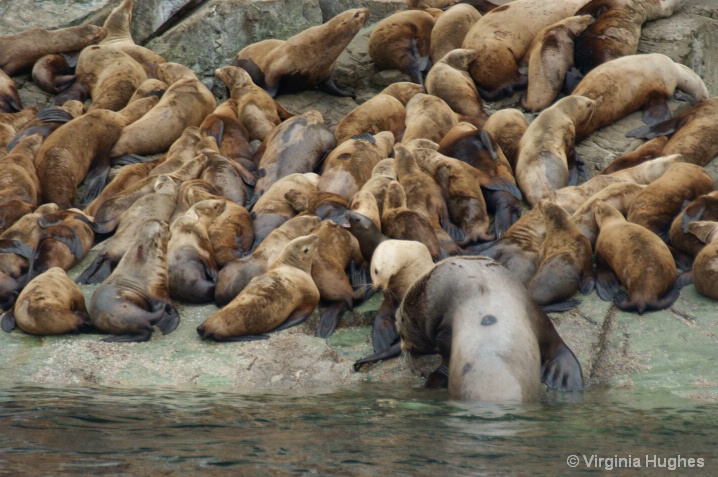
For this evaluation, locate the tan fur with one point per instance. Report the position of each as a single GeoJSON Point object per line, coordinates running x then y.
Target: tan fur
{"type": "Point", "coordinates": [19, 185]}
{"type": "Point", "coordinates": [119, 36]}
{"type": "Point", "coordinates": [450, 30]}
{"type": "Point", "coordinates": [507, 126]}
{"type": "Point", "coordinates": [449, 80]}
{"type": "Point", "coordinates": [428, 117]}
{"type": "Point", "coordinates": [705, 265]}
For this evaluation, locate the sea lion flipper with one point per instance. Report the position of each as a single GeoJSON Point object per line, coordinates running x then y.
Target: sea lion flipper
{"type": "Point", "coordinates": [17, 247]}
{"type": "Point", "coordinates": [507, 210]}
{"type": "Point", "coordinates": [170, 319]}
{"type": "Point", "coordinates": [454, 231]}
{"type": "Point", "coordinates": [391, 352]}
{"type": "Point", "coordinates": [329, 318]}
{"type": "Point", "coordinates": [77, 91]}
{"type": "Point", "coordinates": [571, 80]}
{"type": "Point", "coordinates": [328, 86]}
{"type": "Point", "coordinates": [8, 321]}
{"type": "Point", "coordinates": [651, 131]}
{"type": "Point", "coordinates": [215, 129]}
{"type": "Point", "coordinates": [656, 112]}
{"type": "Point", "coordinates": [247, 176]}
{"type": "Point", "coordinates": [561, 306]}
{"type": "Point", "coordinates": [100, 268]}
{"type": "Point", "coordinates": [561, 370]}
{"type": "Point", "coordinates": [97, 177]}
{"type": "Point", "coordinates": [54, 114]}
{"type": "Point", "coordinates": [67, 236]}
{"type": "Point", "coordinates": [383, 331]}
{"type": "Point", "coordinates": [128, 159]}
{"type": "Point", "coordinates": [439, 378]}
{"type": "Point", "coordinates": [144, 335]}
{"type": "Point", "coordinates": [607, 284]}
{"type": "Point", "coordinates": [297, 317]}
{"type": "Point", "coordinates": [587, 282]}
{"type": "Point", "coordinates": [497, 183]}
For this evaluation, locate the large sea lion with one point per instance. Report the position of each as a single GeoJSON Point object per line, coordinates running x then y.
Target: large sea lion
{"type": "Point", "coordinates": [69, 239]}
{"type": "Point", "coordinates": [705, 265]}
{"type": "Point", "coordinates": [449, 80]}
{"type": "Point", "coordinates": [450, 29]}
{"type": "Point", "coordinates": [124, 178]}
{"type": "Point", "coordinates": [496, 344]}
{"type": "Point", "coordinates": [119, 36]}
{"type": "Point", "coordinates": [135, 296]}
{"type": "Point", "coordinates": [703, 208]}
{"type": "Point", "coordinates": [51, 304]}
{"type": "Point", "coordinates": [428, 117]}
{"type": "Point", "coordinates": [507, 126]}
{"type": "Point", "coordinates": [10, 101]}
{"type": "Point", "coordinates": [283, 297]}
{"type": "Point", "coordinates": [19, 185]}
{"type": "Point", "coordinates": [304, 61]}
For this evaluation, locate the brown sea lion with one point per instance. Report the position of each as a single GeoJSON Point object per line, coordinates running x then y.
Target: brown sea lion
{"type": "Point", "coordinates": [283, 297]}
{"type": "Point", "coordinates": [47, 120]}
{"type": "Point", "coordinates": [135, 297]}
{"type": "Point", "coordinates": [191, 266]}
{"type": "Point", "coordinates": [124, 178]}
{"type": "Point", "coordinates": [80, 147]}
{"type": "Point", "coordinates": [51, 304]}
{"type": "Point", "coordinates": [486, 328]}
{"type": "Point", "coordinates": [230, 179]}
{"type": "Point", "coordinates": [649, 150]}
{"type": "Point", "coordinates": [304, 61]}
{"type": "Point", "coordinates": [624, 85]}
{"type": "Point", "coordinates": [385, 111]}
{"type": "Point", "coordinates": [401, 41]}
{"type": "Point", "coordinates": [617, 28]}
{"type": "Point", "coordinates": [69, 240]}
{"type": "Point", "coordinates": [364, 203]}
{"type": "Point", "coordinates": [9, 98]}
{"type": "Point", "coordinates": [703, 208]}
{"type": "Point", "coordinates": [450, 29]}
{"type": "Point", "coordinates": [548, 60]}
{"type": "Point", "coordinates": [428, 117]}
{"type": "Point", "coordinates": [325, 205]}
{"type": "Point", "coordinates": [630, 254]}
{"type": "Point", "coordinates": [504, 35]}
{"type": "Point", "coordinates": [22, 50]}
{"type": "Point", "coordinates": [507, 126]}
{"type": "Point", "coordinates": [231, 135]}
{"type": "Point", "coordinates": [546, 151]}
{"type": "Point", "coordinates": [52, 73]}
{"type": "Point", "coordinates": [706, 262]}
{"type": "Point", "coordinates": [449, 80]}
{"type": "Point", "coordinates": [19, 119]}
{"type": "Point", "coordinates": [19, 185]}
{"type": "Point", "coordinates": [657, 205]}
{"type": "Point", "coordinates": [118, 36]}
{"type": "Point", "coordinates": [383, 173]}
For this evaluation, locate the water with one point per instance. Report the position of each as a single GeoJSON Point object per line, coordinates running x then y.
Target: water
{"type": "Point", "coordinates": [366, 430]}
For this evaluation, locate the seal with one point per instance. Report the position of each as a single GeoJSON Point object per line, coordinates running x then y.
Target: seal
{"type": "Point", "coordinates": [646, 151]}
{"type": "Point", "coordinates": [449, 80]}
{"type": "Point", "coordinates": [565, 259]}
{"type": "Point", "coordinates": [428, 117]}
{"type": "Point", "coordinates": [546, 150]}
{"type": "Point", "coordinates": [467, 307]}
{"type": "Point", "coordinates": [22, 50]}
{"type": "Point", "coordinates": [19, 185]}
{"type": "Point", "coordinates": [51, 304]}
{"type": "Point", "coordinates": [548, 60]}
{"type": "Point", "coordinates": [79, 151]}
{"type": "Point", "coordinates": [304, 61]}
{"type": "Point", "coordinates": [52, 73]}
{"type": "Point", "coordinates": [401, 41]}
{"type": "Point", "coordinates": [638, 258]}
{"type": "Point", "coordinates": [626, 84]}
{"type": "Point", "coordinates": [496, 69]}
{"type": "Point", "coordinates": [283, 297]}
{"type": "Point", "coordinates": [9, 98]}
{"type": "Point", "coordinates": [703, 208]}
{"type": "Point", "coordinates": [704, 266]}
{"type": "Point", "coordinates": [135, 296]}
{"type": "Point", "coordinates": [507, 126]}
{"type": "Point", "coordinates": [119, 36]}
{"type": "Point", "coordinates": [385, 111]}
{"type": "Point", "coordinates": [450, 29]}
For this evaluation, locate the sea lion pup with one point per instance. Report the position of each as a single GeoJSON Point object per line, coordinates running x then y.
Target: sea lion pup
{"type": "Point", "coordinates": [256, 109]}
{"type": "Point", "coordinates": [401, 41]}
{"type": "Point", "coordinates": [617, 28]}
{"type": "Point", "coordinates": [19, 185]}
{"type": "Point", "coordinates": [565, 259]}
{"type": "Point", "coordinates": [646, 151]}
{"type": "Point", "coordinates": [282, 297]}
{"type": "Point", "coordinates": [69, 239]}
{"type": "Point", "coordinates": [22, 50]}
{"type": "Point", "coordinates": [235, 276]}
{"type": "Point", "coordinates": [636, 257]}
{"type": "Point", "coordinates": [232, 137]}
{"type": "Point", "coordinates": [182, 151]}
{"type": "Point", "coordinates": [546, 151]}
{"type": "Point", "coordinates": [134, 298]}
{"type": "Point", "coordinates": [693, 132]}
{"type": "Point", "coordinates": [706, 262]}
{"type": "Point", "coordinates": [9, 98]}
{"type": "Point", "coordinates": [124, 178]}
{"type": "Point", "coordinates": [548, 60]}
{"type": "Point", "coordinates": [79, 151]}
{"type": "Point", "coordinates": [158, 204]}
{"type": "Point", "coordinates": [503, 36]}
{"type": "Point", "coordinates": [507, 126]}
{"type": "Point", "coordinates": [428, 117]}
{"type": "Point", "coordinates": [650, 78]}
{"type": "Point", "coordinates": [384, 112]}
{"type": "Point", "coordinates": [191, 266]}
{"type": "Point", "coordinates": [381, 175]}
{"type": "Point", "coordinates": [703, 208]}
{"type": "Point", "coordinates": [348, 166]}
{"type": "Point", "coordinates": [52, 73]}
{"type": "Point", "coordinates": [185, 103]}
{"type": "Point", "coordinates": [51, 304]}
{"type": "Point", "coordinates": [231, 179]}
{"type": "Point", "coordinates": [514, 346]}
{"type": "Point", "coordinates": [118, 36]}
{"type": "Point", "coordinates": [657, 206]}
{"type": "Point", "coordinates": [449, 80]}
{"type": "Point", "coordinates": [450, 29]}
{"type": "Point", "coordinates": [364, 203]}
{"type": "Point", "coordinates": [296, 145]}
{"type": "Point", "coordinates": [325, 205]}
{"type": "Point", "coordinates": [400, 222]}
{"type": "Point", "coordinates": [304, 61]}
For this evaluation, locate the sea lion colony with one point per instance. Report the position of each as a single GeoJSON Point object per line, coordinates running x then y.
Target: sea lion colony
{"type": "Point", "coordinates": [239, 202]}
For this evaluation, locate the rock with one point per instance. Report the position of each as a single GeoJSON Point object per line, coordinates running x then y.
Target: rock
{"type": "Point", "coordinates": [378, 9]}
{"type": "Point", "coordinates": [16, 17]}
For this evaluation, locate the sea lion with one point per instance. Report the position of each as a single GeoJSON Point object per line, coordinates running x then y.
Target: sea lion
{"type": "Point", "coordinates": [48, 119]}
{"type": "Point", "coordinates": [284, 296]}
{"type": "Point", "coordinates": [548, 60]}
{"type": "Point", "coordinates": [401, 41]}
{"type": "Point", "coordinates": [185, 103]}
{"type": "Point", "coordinates": [428, 117]}
{"type": "Point", "coordinates": [660, 202]}
{"type": "Point", "coordinates": [19, 185]}
{"type": "Point", "coordinates": [119, 36]}
{"type": "Point", "coordinates": [624, 85]}
{"type": "Point", "coordinates": [124, 178]}
{"type": "Point", "coordinates": [349, 165]}
{"type": "Point", "coordinates": [325, 205]}
{"type": "Point", "coordinates": [364, 203]}
{"type": "Point", "coordinates": [703, 208]}
{"type": "Point", "coordinates": [256, 109]}
{"type": "Point", "coordinates": [617, 28]}
{"type": "Point", "coordinates": [52, 73]}
{"type": "Point", "coordinates": [565, 259]}
{"type": "Point", "coordinates": [79, 150]}
{"type": "Point", "coordinates": [135, 296]}
{"type": "Point", "coordinates": [503, 36]}
{"type": "Point", "coordinates": [646, 151]}
{"type": "Point", "coordinates": [450, 29]}
{"type": "Point", "coordinates": [231, 135]}
{"type": "Point", "coordinates": [705, 263]}
{"type": "Point", "coordinates": [449, 80]}
{"type": "Point", "coordinates": [51, 304]}
{"type": "Point", "coordinates": [514, 346]}
{"type": "Point", "coordinates": [10, 101]}
{"type": "Point", "coordinates": [231, 179]}
{"type": "Point", "coordinates": [546, 150]}
{"type": "Point", "coordinates": [385, 111]}
{"type": "Point", "coordinates": [640, 260]}
{"type": "Point", "coordinates": [507, 126]}
{"type": "Point", "coordinates": [69, 240]}
{"type": "Point", "coordinates": [191, 266]}
{"type": "Point", "coordinates": [381, 175]}
{"type": "Point", "coordinates": [304, 61]}
{"type": "Point", "coordinates": [22, 50]}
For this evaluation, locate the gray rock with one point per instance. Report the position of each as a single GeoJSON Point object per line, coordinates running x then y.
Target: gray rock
{"type": "Point", "coordinates": [378, 9]}
{"type": "Point", "coordinates": [17, 16]}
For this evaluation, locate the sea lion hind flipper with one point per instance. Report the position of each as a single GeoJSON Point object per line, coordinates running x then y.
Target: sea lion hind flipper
{"type": "Point", "coordinates": [8, 321]}
{"type": "Point", "coordinates": [383, 331]}
{"type": "Point", "coordinates": [17, 247]}
{"type": "Point", "coordinates": [561, 370]}
{"type": "Point", "coordinates": [679, 95]}
{"type": "Point", "coordinates": [656, 112]}
{"type": "Point", "coordinates": [170, 319]}
{"type": "Point", "coordinates": [328, 86]}
{"type": "Point", "coordinates": [507, 211]}
{"type": "Point", "coordinates": [497, 183]}
{"type": "Point", "coordinates": [54, 114]}
{"type": "Point", "coordinates": [297, 317]}
{"type": "Point", "coordinates": [561, 306]}
{"type": "Point", "coordinates": [96, 178]}
{"type": "Point", "coordinates": [392, 352]}
{"type": "Point", "coordinates": [587, 283]}
{"type": "Point", "coordinates": [652, 131]}
{"type": "Point", "coordinates": [329, 318]}
{"type": "Point", "coordinates": [455, 232]}
{"type": "Point", "coordinates": [100, 268]}
{"type": "Point", "coordinates": [607, 284]}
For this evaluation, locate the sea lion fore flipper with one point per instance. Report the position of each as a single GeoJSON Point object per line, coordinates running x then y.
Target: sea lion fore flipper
{"type": "Point", "coordinates": [328, 86]}
{"type": "Point", "coordinates": [561, 370]}
{"type": "Point", "coordinates": [329, 319]}
{"type": "Point", "coordinates": [170, 319]}
{"type": "Point", "coordinates": [97, 177]}
{"type": "Point", "coordinates": [8, 321]}
{"type": "Point", "coordinates": [656, 111]}
{"type": "Point", "coordinates": [383, 331]}
{"type": "Point", "coordinates": [561, 306]}
{"type": "Point", "coordinates": [652, 131]}
{"type": "Point", "coordinates": [54, 114]}
{"type": "Point", "coordinates": [391, 352]}
{"type": "Point", "coordinates": [607, 284]}
{"type": "Point", "coordinates": [439, 378]}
